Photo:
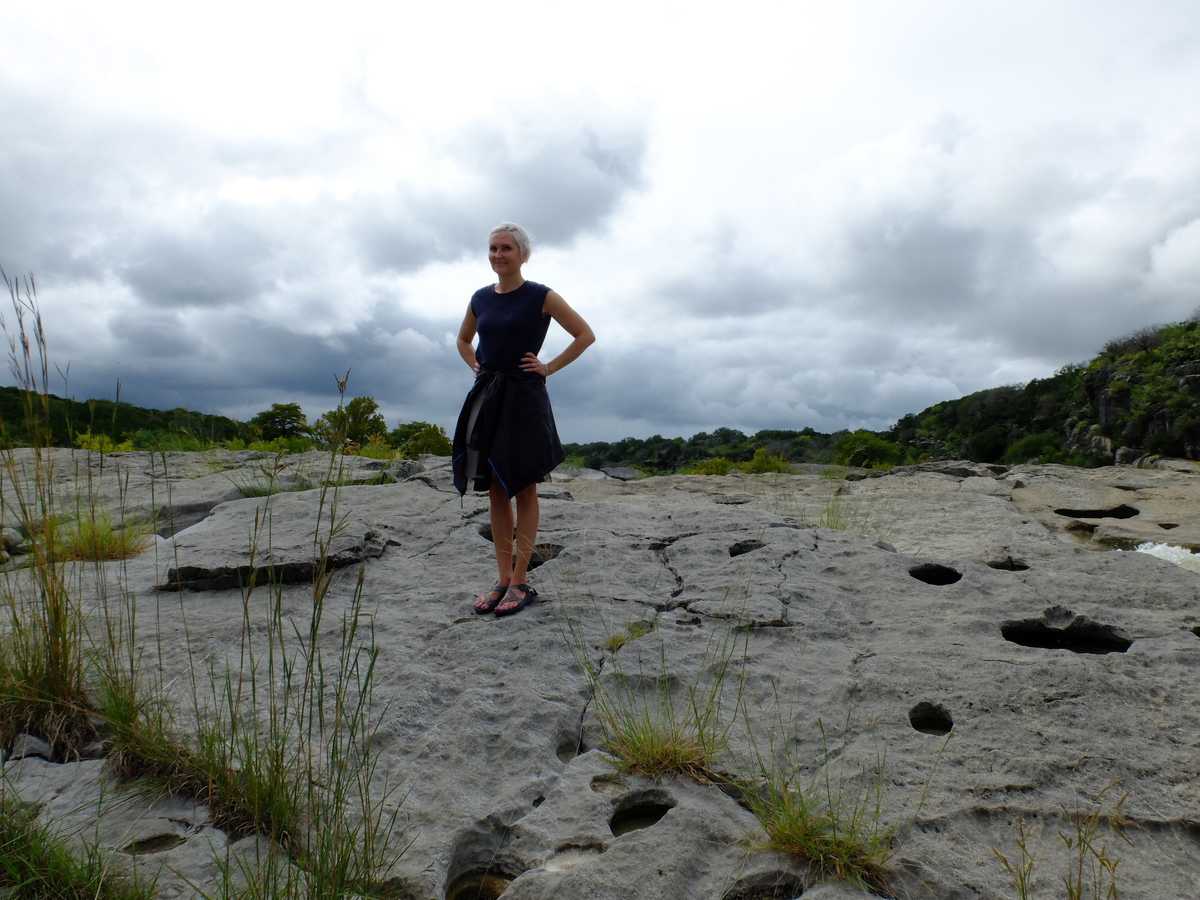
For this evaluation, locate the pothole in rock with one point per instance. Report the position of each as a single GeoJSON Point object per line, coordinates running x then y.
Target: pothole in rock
{"type": "Point", "coordinates": [1008, 564]}
{"type": "Point", "coordinates": [1061, 629]}
{"type": "Point", "coordinates": [767, 886]}
{"type": "Point", "coordinates": [930, 718]}
{"type": "Point", "coordinates": [569, 747]}
{"type": "Point", "coordinates": [745, 547]}
{"type": "Point", "coordinates": [932, 573]}
{"type": "Point", "coordinates": [479, 885]}
{"type": "Point", "coordinates": [159, 843]}
{"type": "Point", "coordinates": [481, 868]}
{"type": "Point", "coordinates": [640, 810]}
{"type": "Point", "coordinates": [1167, 526]}
{"type": "Point", "coordinates": [543, 553]}
{"type": "Point", "coordinates": [1124, 511]}
{"type": "Point", "coordinates": [1196, 631]}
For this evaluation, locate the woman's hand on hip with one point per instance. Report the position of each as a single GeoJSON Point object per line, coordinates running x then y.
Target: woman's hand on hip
{"type": "Point", "coordinates": [530, 363]}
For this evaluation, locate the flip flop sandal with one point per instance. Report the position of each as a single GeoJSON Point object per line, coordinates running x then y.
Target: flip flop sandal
{"type": "Point", "coordinates": [488, 605]}
{"type": "Point", "coordinates": [530, 594]}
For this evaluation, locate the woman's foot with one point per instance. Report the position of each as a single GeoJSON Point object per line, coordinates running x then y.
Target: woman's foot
{"type": "Point", "coordinates": [486, 603]}
{"type": "Point", "coordinates": [516, 598]}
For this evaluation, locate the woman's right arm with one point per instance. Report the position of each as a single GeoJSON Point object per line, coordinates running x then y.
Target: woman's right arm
{"type": "Point", "coordinates": [466, 334]}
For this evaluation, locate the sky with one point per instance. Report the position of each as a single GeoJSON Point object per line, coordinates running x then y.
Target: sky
{"type": "Point", "coordinates": [772, 215]}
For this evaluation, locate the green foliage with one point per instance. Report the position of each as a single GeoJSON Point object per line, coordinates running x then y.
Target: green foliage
{"type": "Point", "coordinates": [60, 419]}
{"type": "Point", "coordinates": [413, 439]}
{"type": "Point", "coordinates": [377, 447]}
{"type": "Point", "coordinates": [718, 465]}
{"type": "Point", "coordinates": [282, 420]}
{"type": "Point", "coordinates": [37, 863]}
{"type": "Point", "coordinates": [101, 443]}
{"type": "Point", "coordinates": [295, 444]}
{"type": "Point", "coordinates": [95, 537]}
{"type": "Point", "coordinates": [160, 440]}
{"type": "Point", "coordinates": [866, 449]}
{"type": "Point", "coordinates": [1135, 389]}
{"type": "Point", "coordinates": [764, 461]}
{"type": "Point", "coordinates": [357, 421]}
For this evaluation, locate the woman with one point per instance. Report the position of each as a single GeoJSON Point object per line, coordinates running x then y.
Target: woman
{"type": "Point", "coordinates": [505, 440]}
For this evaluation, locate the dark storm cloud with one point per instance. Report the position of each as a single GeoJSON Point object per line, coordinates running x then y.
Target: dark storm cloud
{"type": "Point", "coordinates": [221, 260]}
{"type": "Point", "coordinates": [735, 290]}
{"type": "Point", "coordinates": [558, 185]}
{"type": "Point", "coordinates": [914, 263]}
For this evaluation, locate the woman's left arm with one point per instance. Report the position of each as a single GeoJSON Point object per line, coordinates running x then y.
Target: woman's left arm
{"type": "Point", "coordinates": [556, 307]}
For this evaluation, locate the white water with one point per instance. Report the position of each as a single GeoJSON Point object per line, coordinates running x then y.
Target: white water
{"type": "Point", "coordinates": [1181, 556]}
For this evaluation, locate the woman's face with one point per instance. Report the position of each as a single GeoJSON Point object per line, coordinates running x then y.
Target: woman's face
{"type": "Point", "coordinates": [503, 253]}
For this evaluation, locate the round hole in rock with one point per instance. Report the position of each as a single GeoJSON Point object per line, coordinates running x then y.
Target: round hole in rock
{"type": "Point", "coordinates": [1008, 564]}
{"type": "Point", "coordinates": [767, 886]}
{"type": "Point", "coordinates": [479, 884]}
{"type": "Point", "coordinates": [538, 801]}
{"type": "Point", "coordinates": [640, 810]}
{"type": "Point", "coordinates": [930, 718]}
{"type": "Point", "coordinates": [1167, 526]}
{"type": "Point", "coordinates": [1196, 631]}
{"type": "Point", "coordinates": [485, 532]}
{"type": "Point", "coordinates": [1124, 511]}
{"type": "Point", "coordinates": [568, 748]}
{"type": "Point", "coordinates": [745, 547]}
{"type": "Point", "coordinates": [543, 553]}
{"type": "Point", "coordinates": [932, 573]}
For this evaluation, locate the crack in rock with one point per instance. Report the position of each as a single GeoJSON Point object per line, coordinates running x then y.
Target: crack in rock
{"type": "Point", "coordinates": [216, 578]}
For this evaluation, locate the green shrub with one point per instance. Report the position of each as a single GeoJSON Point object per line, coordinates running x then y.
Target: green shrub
{"type": "Point", "coordinates": [283, 445]}
{"type": "Point", "coordinates": [764, 461]}
{"type": "Point", "coordinates": [718, 465]}
{"type": "Point", "coordinates": [168, 441]}
{"type": "Point", "coordinates": [1043, 447]}
{"type": "Point", "coordinates": [866, 449]}
{"type": "Point", "coordinates": [376, 448]}
{"type": "Point", "coordinates": [426, 438]}
{"type": "Point", "coordinates": [101, 443]}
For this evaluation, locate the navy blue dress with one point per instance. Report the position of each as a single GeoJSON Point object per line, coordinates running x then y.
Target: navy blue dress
{"type": "Point", "coordinates": [506, 427]}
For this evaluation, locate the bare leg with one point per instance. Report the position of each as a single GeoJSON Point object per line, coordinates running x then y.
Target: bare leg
{"type": "Point", "coordinates": [502, 531]}
{"type": "Point", "coordinates": [527, 526]}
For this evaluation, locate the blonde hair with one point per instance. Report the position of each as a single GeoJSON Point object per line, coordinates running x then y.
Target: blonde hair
{"type": "Point", "coordinates": [519, 234]}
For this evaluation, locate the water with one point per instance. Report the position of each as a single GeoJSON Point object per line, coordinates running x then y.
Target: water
{"type": "Point", "coordinates": [1181, 556]}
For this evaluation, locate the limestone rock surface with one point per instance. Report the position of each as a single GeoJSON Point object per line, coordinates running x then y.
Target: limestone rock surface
{"type": "Point", "coordinates": [951, 633]}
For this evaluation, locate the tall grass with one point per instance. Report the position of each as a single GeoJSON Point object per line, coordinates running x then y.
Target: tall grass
{"type": "Point", "coordinates": [37, 863]}
{"type": "Point", "coordinates": [42, 664]}
{"type": "Point", "coordinates": [283, 731]}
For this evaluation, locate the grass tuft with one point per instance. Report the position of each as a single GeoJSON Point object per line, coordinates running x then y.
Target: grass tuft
{"type": "Point", "coordinates": [36, 863]}
{"type": "Point", "coordinates": [652, 729]}
{"type": "Point", "coordinates": [838, 833]}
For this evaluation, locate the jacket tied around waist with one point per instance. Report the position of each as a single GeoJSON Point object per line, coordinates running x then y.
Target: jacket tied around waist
{"type": "Point", "coordinates": [505, 431]}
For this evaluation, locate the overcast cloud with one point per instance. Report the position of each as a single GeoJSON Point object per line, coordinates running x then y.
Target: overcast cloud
{"type": "Point", "coordinates": [773, 215]}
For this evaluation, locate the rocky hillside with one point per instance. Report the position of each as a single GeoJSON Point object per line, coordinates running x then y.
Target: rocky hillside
{"type": "Point", "coordinates": [1140, 395]}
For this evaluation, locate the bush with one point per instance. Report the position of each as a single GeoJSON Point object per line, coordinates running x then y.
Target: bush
{"type": "Point", "coordinates": [101, 443]}
{"type": "Point", "coordinates": [427, 438]}
{"type": "Point", "coordinates": [282, 445]}
{"type": "Point", "coordinates": [377, 448]}
{"type": "Point", "coordinates": [764, 461]}
{"type": "Point", "coordinates": [1043, 447]}
{"type": "Point", "coordinates": [866, 449]}
{"type": "Point", "coordinates": [168, 441]}
{"type": "Point", "coordinates": [718, 465]}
